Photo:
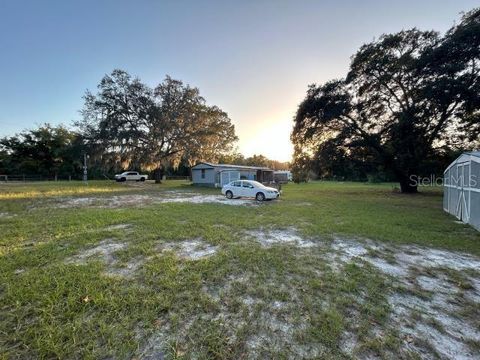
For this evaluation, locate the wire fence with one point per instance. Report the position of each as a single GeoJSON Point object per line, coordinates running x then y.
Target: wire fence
{"type": "Point", "coordinates": [29, 178]}
{"type": "Point", "coordinates": [174, 177]}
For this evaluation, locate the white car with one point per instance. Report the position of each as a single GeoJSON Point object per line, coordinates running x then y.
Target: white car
{"type": "Point", "coordinates": [130, 176]}
{"type": "Point", "coordinates": [249, 188]}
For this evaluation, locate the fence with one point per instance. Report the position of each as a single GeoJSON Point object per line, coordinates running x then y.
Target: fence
{"type": "Point", "coordinates": [26, 178]}
{"type": "Point", "coordinates": [173, 177]}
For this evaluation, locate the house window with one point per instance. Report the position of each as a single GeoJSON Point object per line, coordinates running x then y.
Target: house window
{"type": "Point", "coordinates": [203, 173]}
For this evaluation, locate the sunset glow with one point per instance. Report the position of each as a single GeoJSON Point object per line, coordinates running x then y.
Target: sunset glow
{"type": "Point", "coordinates": [270, 138]}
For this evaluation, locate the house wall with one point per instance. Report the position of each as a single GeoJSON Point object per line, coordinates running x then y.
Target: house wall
{"type": "Point", "coordinates": [225, 177]}
{"type": "Point", "coordinates": [248, 174]}
{"type": "Point", "coordinates": [208, 180]}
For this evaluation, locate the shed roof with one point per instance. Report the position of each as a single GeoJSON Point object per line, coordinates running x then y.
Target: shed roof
{"type": "Point", "coordinates": [465, 157]}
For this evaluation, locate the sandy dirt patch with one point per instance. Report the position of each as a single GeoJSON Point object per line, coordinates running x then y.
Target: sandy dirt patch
{"type": "Point", "coordinates": [194, 249]}
{"type": "Point", "coordinates": [6, 215]}
{"type": "Point", "coordinates": [274, 326]}
{"type": "Point", "coordinates": [426, 310]}
{"type": "Point", "coordinates": [105, 251]}
{"type": "Point", "coordinates": [132, 200]}
{"type": "Point", "coordinates": [270, 237]}
{"type": "Point", "coordinates": [401, 258]}
{"type": "Point", "coordinates": [427, 307]}
{"type": "Point", "coordinates": [115, 227]}
{"type": "Point", "coordinates": [196, 198]}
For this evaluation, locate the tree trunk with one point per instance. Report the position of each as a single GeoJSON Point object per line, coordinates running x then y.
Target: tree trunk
{"type": "Point", "coordinates": [408, 185]}
{"type": "Point", "coordinates": [158, 175]}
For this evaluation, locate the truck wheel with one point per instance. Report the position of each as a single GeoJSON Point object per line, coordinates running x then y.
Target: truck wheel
{"type": "Point", "coordinates": [260, 196]}
{"type": "Point", "coordinates": [229, 194]}
{"type": "Point", "coordinates": [142, 179]}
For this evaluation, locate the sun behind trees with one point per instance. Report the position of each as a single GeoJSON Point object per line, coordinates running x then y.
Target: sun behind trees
{"type": "Point", "coordinates": [129, 123]}
{"type": "Point", "coordinates": [408, 98]}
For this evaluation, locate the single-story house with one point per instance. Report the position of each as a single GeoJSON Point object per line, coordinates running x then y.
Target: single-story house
{"type": "Point", "coordinates": [217, 175]}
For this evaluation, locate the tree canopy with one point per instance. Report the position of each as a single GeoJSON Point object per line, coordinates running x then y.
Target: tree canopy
{"type": "Point", "coordinates": [129, 123]}
{"type": "Point", "coordinates": [47, 151]}
{"type": "Point", "coordinates": [407, 97]}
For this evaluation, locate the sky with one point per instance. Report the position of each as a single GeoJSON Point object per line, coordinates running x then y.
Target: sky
{"type": "Point", "coordinates": [253, 59]}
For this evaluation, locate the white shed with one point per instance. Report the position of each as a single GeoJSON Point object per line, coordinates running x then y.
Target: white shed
{"type": "Point", "coordinates": [461, 194]}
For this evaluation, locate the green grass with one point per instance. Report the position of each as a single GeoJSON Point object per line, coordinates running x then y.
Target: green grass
{"type": "Point", "coordinates": [50, 308]}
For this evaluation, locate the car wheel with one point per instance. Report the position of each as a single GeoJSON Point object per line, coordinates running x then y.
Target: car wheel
{"type": "Point", "coordinates": [260, 196]}
{"type": "Point", "coordinates": [229, 194]}
{"type": "Point", "coordinates": [142, 179]}
{"type": "Point", "coordinates": [123, 179]}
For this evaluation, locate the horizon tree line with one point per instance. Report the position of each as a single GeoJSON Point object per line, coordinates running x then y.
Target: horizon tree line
{"type": "Point", "coordinates": [128, 125]}
{"type": "Point", "coordinates": [409, 104]}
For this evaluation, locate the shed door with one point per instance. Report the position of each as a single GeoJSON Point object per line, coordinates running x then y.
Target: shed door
{"type": "Point", "coordinates": [466, 192]}
{"type": "Point", "coordinates": [463, 193]}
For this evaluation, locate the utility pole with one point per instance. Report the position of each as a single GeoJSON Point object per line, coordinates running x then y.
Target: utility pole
{"type": "Point", "coordinates": [85, 168]}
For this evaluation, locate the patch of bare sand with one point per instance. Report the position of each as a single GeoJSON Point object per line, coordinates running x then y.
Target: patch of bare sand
{"type": "Point", "coordinates": [105, 251]}
{"type": "Point", "coordinates": [132, 200]}
{"type": "Point", "coordinates": [194, 249]}
{"type": "Point", "coordinates": [432, 316]}
{"type": "Point", "coordinates": [6, 215]}
{"type": "Point", "coordinates": [274, 326]}
{"type": "Point", "coordinates": [271, 237]}
{"type": "Point", "coordinates": [426, 310]}
{"type": "Point", "coordinates": [119, 227]}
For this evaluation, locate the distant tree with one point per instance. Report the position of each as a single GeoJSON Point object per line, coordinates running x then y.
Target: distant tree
{"type": "Point", "coordinates": [234, 158]}
{"type": "Point", "coordinates": [301, 168]}
{"type": "Point", "coordinates": [257, 160]}
{"type": "Point", "coordinates": [278, 165]}
{"type": "Point", "coordinates": [237, 158]}
{"type": "Point", "coordinates": [406, 95]}
{"type": "Point", "coordinates": [135, 126]}
{"type": "Point", "coordinates": [46, 151]}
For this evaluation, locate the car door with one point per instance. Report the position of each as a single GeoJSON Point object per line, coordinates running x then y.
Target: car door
{"type": "Point", "coordinates": [248, 189]}
{"type": "Point", "coordinates": [236, 188]}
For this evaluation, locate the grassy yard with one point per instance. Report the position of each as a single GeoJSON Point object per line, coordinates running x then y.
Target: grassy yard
{"type": "Point", "coordinates": [330, 270]}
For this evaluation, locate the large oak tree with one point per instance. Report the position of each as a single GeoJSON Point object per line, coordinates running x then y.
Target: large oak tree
{"type": "Point", "coordinates": [407, 96]}
{"type": "Point", "coordinates": [131, 124]}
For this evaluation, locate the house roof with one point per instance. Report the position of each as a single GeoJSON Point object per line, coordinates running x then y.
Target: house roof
{"type": "Point", "coordinates": [230, 166]}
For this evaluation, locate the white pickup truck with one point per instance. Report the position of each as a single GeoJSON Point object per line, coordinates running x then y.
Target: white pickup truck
{"type": "Point", "coordinates": [130, 176]}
